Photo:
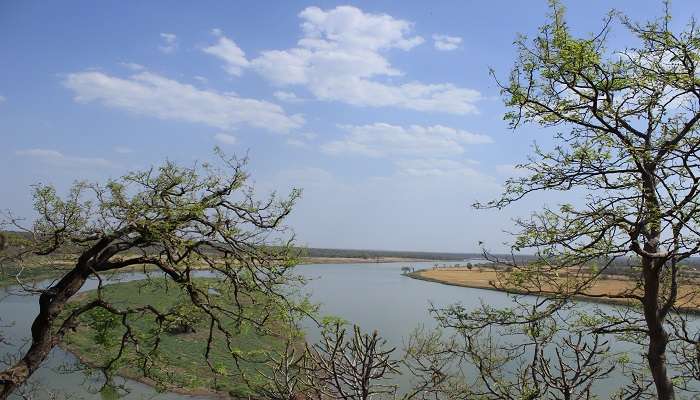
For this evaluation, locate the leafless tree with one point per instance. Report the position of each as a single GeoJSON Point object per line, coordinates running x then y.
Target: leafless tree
{"type": "Point", "coordinates": [353, 367]}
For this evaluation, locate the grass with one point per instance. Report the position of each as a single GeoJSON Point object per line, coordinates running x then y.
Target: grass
{"type": "Point", "coordinates": [10, 274]}
{"type": "Point", "coordinates": [181, 364]}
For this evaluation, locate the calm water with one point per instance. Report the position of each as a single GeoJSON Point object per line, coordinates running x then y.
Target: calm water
{"type": "Point", "coordinates": [374, 296]}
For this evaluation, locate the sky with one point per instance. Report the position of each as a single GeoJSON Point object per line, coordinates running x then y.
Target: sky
{"type": "Point", "coordinates": [383, 113]}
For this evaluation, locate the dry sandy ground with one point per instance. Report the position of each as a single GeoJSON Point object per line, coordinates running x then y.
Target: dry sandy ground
{"type": "Point", "coordinates": [689, 293]}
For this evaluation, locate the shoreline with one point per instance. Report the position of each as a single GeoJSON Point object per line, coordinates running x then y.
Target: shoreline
{"type": "Point", "coordinates": [211, 393]}
{"type": "Point", "coordinates": [357, 260]}
{"type": "Point", "coordinates": [82, 352]}
{"type": "Point", "coordinates": [419, 275]}
{"type": "Point", "coordinates": [57, 269]}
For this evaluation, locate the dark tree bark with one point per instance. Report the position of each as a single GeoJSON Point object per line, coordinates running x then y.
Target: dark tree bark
{"type": "Point", "coordinates": [51, 304]}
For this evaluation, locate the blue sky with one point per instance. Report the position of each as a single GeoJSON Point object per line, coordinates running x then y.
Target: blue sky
{"type": "Point", "coordinates": [383, 112]}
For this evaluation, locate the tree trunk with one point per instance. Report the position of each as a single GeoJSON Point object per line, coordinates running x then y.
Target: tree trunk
{"type": "Point", "coordinates": [658, 338]}
{"type": "Point", "coordinates": [51, 304]}
{"type": "Point", "coordinates": [656, 357]}
{"type": "Point", "coordinates": [651, 272]}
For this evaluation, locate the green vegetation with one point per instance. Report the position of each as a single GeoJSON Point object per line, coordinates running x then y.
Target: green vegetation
{"type": "Point", "coordinates": [624, 148]}
{"type": "Point", "coordinates": [178, 360]}
{"type": "Point", "coordinates": [173, 220]}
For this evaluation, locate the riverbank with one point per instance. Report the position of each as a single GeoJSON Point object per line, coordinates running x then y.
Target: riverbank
{"type": "Point", "coordinates": [178, 365]}
{"type": "Point", "coordinates": [44, 270]}
{"type": "Point", "coordinates": [603, 291]}
{"type": "Point", "coordinates": [358, 260]}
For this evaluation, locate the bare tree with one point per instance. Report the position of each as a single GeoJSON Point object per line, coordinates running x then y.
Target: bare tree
{"type": "Point", "coordinates": [351, 368]}
{"type": "Point", "coordinates": [286, 376]}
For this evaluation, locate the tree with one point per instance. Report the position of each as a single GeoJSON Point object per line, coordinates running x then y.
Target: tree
{"type": "Point", "coordinates": [172, 220]}
{"type": "Point", "coordinates": [351, 368]}
{"type": "Point", "coordinates": [626, 135]}
{"type": "Point", "coordinates": [339, 366]}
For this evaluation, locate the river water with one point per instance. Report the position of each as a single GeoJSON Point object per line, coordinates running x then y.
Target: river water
{"type": "Point", "coordinates": [373, 296]}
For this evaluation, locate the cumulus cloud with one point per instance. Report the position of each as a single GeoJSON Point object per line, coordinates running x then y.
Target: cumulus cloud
{"type": "Point", "coordinates": [169, 44]}
{"type": "Point", "coordinates": [385, 140]}
{"type": "Point", "coordinates": [350, 27]}
{"type": "Point", "coordinates": [225, 138]}
{"type": "Point", "coordinates": [57, 158]}
{"type": "Point", "coordinates": [446, 43]}
{"type": "Point", "coordinates": [342, 53]}
{"type": "Point", "coordinates": [150, 94]}
{"type": "Point", "coordinates": [227, 50]}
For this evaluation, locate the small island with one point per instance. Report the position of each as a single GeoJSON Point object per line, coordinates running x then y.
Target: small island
{"type": "Point", "coordinates": [178, 363]}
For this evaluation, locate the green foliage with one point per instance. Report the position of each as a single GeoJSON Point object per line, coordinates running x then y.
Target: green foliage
{"type": "Point", "coordinates": [174, 359]}
{"type": "Point", "coordinates": [105, 326]}
{"type": "Point", "coordinates": [624, 124]}
{"type": "Point", "coordinates": [173, 220]}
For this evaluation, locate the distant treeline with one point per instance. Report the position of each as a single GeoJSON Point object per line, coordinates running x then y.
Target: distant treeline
{"type": "Point", "coordinates": [369, 254]}
{"type": "Point", "coordinates": [13, 241]}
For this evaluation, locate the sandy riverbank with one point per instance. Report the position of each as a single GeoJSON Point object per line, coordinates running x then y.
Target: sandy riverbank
{"type": "Point", "coordinates": [602, 291]}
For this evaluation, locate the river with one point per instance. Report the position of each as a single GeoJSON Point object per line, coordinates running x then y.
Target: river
{"type": "Point", "coordinates": [374, 296]}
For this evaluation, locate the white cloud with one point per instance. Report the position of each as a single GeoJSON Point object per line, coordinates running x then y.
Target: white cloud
{"type": "Point", "coordinates": [169, 44]}
{"type": "Point", "coordinates": [225, 138]}
{"type": "Point", "coordinates": [2, 99]}
{"type": "Point", "coordinates": [340, 55]}
{"type": "Point", "coordinates": [55, 157]}
{"type": "Point", "coordinates": [288, 97]}
{"type": "Point", "coordinates": [437, 167]}
{"type": "Point", "coordinates": [150, 94]}
{"type": "Point", "coordinates": [446, 43]}
{"type": "Point", "coordinates": [350, 27]}
{"type": "Point", "coordinates": [227, 50]}
{"type": "Point", "coordinates": [132, 66]}
{"type": "Point", "coordinates": [123, 150]}
{"type": "Point", "coordinates": [385, 140]}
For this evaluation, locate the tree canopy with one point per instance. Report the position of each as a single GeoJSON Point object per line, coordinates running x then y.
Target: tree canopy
{"type": "Point", "coordinates": [171, 221]}
{"type": "Point", "coordinates": [625, 132]}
